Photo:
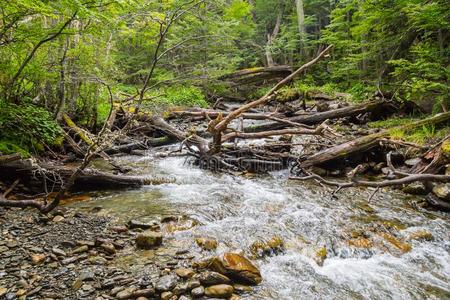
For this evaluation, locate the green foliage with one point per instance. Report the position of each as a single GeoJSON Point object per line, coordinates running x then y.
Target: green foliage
{"type": "Point", "coordinates": [26, 128]}
{"type": "Point", "coordinates": [178, 96]}
{"type": "Point", "coordinates": [420, 135]}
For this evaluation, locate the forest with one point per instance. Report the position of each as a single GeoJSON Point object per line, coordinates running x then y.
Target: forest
{"type": "Point", "coordinates": [235, 149]}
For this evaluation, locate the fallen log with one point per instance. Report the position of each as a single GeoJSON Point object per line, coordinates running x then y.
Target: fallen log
{"type": "Point", "coordinates": [378, 107]}
{"type": "Point", "coordinates": [34, 175]}
{"type": "Point", "coordinates": [144, 145]}
{"type": "Point", "coordinates": [9, 158]}
{"type": "Point", "coordinates": [366, 142]}
{"type": "Point", "coordinates": [204, 114]}
{"type": "Point", "coordinates": [187, 139]}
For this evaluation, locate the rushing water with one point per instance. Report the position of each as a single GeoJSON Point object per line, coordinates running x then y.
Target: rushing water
{"type": "Point", "coordinates": [238, 210]}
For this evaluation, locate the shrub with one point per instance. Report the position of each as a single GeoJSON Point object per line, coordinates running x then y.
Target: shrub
{"type": "Point", "coordinates": [27, 128]}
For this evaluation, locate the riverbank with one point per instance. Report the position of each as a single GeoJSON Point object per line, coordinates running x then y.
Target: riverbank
{"type": "Point", "coordinates": [74, 255]}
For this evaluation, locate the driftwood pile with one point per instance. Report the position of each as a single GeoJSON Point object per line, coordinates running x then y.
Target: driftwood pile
{"type": "Point", "coordinates": [314, 140]}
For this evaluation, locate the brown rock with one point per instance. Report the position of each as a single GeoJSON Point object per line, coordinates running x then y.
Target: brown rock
{"type": "Point", "coordinates": [206, 244]}
{"type": "Point", "coordinates": [184, 273]}
{"type": "Point", "coordinates": [58, 219]}
{"type": "Point", "coordinates": [237, 267]}
{"type": "Point", "coordinates": [149, 239]}
{"type": "Point", "coordinates": [213, 278]}
{"type": "Point", "coordinates": [108, 247]}
{"type": "Point", "coordinates": [421, 235]}
{"type": "Point", "coordinates": [38, 259]}
{"type": "Point", "coordinates": [219, 291]}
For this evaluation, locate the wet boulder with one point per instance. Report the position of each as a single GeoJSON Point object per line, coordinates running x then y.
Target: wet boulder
{"type": "Point", "coordinates": [236, 267]}
{"type": "Point", "coordinates": [149, 239]}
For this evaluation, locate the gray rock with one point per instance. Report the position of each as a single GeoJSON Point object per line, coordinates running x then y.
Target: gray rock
{"type": "Point", "coordinates": [166, 283]}
{"type": "Point", "coordinates": [198, 292]}
{"type": "Point", "coordinates": [412, 162]}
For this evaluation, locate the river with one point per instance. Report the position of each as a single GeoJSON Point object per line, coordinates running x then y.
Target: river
{"type": "Point", "coordinates": [367, 243]}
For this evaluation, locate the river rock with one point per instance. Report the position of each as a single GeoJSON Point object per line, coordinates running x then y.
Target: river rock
{"type": "Point", "coordinates": [272, 246]}
{"type": "Point", "coordinates": [193, 283]}
{"type": "Point", "coordinates": [166, 283]}
{"type": "Point", "coordinates": [412, 162]}
{"type": "Point", "coordinates": [3, 291]}
{"type": "Point", "coordinates": [240, 288]}
{"type": "Point", "coordinates": [208, 278]}
{"type": "Point", "coordinates": [166, 295]}
{"type": "Point", "coordinates": [198, 292]}
{"type": "Point", "coordinates": [38, 259]}
{"type": "Point", "coordinates": [184, 273]}
{"type": "Point", "coordinates": [421, 235]}
{"type": "Point", "coordinates": [149, 239]}
{"type": "Point", "coordinates": [58, 219]}
{"type": "Point", "coordinates": [219, 291]}
{"type": "Point", "coordinates": [415, 189]}
{"type": "Point", "coordinates": [237, 267]}
{"type": "Point", "coordinates": [134, 224]}
{"type": "Point", "coordinates": [442, 191]}
{"type": "Point", "coordinates": [206, 243]}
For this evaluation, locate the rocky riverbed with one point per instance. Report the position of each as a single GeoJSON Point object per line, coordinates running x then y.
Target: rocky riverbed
{"type": "Point", "coordinates": [73, 255]}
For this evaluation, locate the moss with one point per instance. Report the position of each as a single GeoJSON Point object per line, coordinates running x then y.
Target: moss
{"type": "Point", "coordinates": [446, 148]}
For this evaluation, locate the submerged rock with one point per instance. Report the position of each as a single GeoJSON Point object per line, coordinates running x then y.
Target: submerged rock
{"type": "Point", "coordinates": [421, 235]}
{"type": "Point", "coordinates": [270, 247]}
{"type": "Point", "coordinates": [237, 267]}
{"type": "Point", "coordinates": [219, 291]}
{"type": "Point", "coordinates": [149, 239]}
{"type": "Point", "coordinates": [206, 243]}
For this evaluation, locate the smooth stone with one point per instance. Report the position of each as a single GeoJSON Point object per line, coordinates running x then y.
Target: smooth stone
{"type": "Point", "coordinates": [38, 259]}
{"type": "Point", "coordinates": [183, 297]}
{"type": "Point", "coordinates": [240, 288]}
{"type": "Point", "coordinates": [134, 224]}
{"type": "Point", "coordinates": [58, 251]}
{"type": "Point", "coordinates": [180, 288]}
{"type": "Point", "coordinates": [184, 273]}
{"type": "Point", "coordinates": [149, 239]}
{"type": "Point", "coordinates": [237, 267]}
{"type": "Point", "coordinates": [166, 295]}
{"type": "Point", "coordinates": [412, 162]}
{"type": "Point", "coordinates": [219, 291]}
{"type": "Point", "coordinates": [198, 292]}
{"type": "Point", "coordinates": [108, 247]}
{"type": "Point", "coordinates": [58, 219]}
{"type": "Point", "coordinates": [213, 278]}
{"type": "Point", "coordinates": [206, 243]}
{"type": "Point", "coordinates": [80, 249]}
{"type": "Point", "coordinates": [125, 294]}
{"type": "Point", "coordinates": [166, 283]}
{"type": "Point", "coordinates": [3, 291]}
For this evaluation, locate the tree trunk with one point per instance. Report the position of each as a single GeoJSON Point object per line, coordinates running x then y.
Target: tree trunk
{"type": "Point", "coordinates": [366, 142]}
{"type": "Point", "coordinates": [349, 111]}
